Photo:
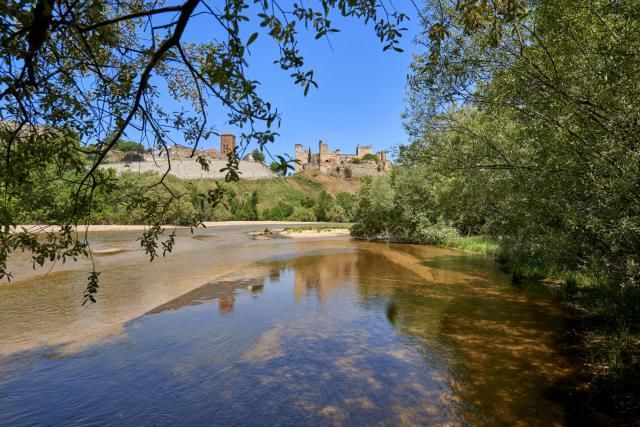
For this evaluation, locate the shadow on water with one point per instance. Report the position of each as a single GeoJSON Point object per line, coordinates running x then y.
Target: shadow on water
{"type": "Point", "coordinates": [375, 334]}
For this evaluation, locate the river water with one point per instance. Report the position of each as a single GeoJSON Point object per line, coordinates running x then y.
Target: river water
{"type": "Point", "coordinates": [233, 331]}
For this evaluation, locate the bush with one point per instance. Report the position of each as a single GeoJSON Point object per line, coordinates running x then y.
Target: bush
{"type": "Point", "coordinates": [336, 214]}
{"type": "Point", "coordinates": [302, 214]}
{"type": "Point", "coordinates": [370, 158]}
{"type": "Point", "coordinates": [325, 203]}
{"type": "Point", "coordinates": [438, 233]}
{"type": "Point", "coordinates": [307, 202]}
{"type": "Point", "coordinates": [258, 155]}
{"type": "Point", "coordinates": [347, 201]}
{"type": "Point", "coordinates": [280, 212]}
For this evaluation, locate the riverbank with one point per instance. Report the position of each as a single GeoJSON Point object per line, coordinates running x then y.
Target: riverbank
{"type": "Point", "coordinates": [40, 228]}
{"type": "Point", "coordinates": [306, 231]}
{"type": "Point", "coordinates": [604, 344]}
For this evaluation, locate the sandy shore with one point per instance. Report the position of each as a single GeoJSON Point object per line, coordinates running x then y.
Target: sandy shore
{"type": "Point", "coordinates": [311, 234]}
{"type": "Point", "coordinates": [228, 223]}
{"type": "Point", "coordinates": [82, 228]}
{"type": "Point", "coordinates": [120, 227]}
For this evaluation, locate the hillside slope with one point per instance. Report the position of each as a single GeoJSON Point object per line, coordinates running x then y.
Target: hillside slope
{"type": "Point", "coordinates": [330, 184]}
{"type": "Point", "coordinates": [305, 196]}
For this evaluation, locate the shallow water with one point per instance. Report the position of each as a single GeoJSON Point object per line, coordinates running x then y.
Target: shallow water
{"type": "Point", "coordinates": [326, 332]}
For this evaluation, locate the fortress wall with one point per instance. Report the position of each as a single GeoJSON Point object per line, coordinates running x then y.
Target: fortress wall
{"type": "Point", "coordinates": [357, 171]}
{"type": "Point", "coordinates": [189, 169]}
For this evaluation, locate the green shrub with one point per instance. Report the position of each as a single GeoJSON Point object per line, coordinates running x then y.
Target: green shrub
{"type": "Point", "coordinates": [436, 233]}
{"type": "Point", "coordinates": [370, 158]}
{"type": "Point", "coordinates": [336, 214]}
{"type": "Point", "coordinates": [324, 204]}
{"type": "Point", "coordinates": [302, 214]}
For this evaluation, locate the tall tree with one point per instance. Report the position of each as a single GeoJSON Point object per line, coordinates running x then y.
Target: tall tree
{"type": "Point", "coordinates": [548, 113]}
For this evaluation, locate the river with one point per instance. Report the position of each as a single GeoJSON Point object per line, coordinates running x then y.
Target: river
{"type": "Point", "coordinates": [233, 331]}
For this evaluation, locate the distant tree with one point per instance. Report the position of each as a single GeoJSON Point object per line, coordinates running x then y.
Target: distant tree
{"type": "Point", "coordinates": [347, 201]}
{"type": "Point", "coordinates": [275, 168]}
{"type": "Point", "coordinates": [258, 155]}
{"type": "Point", "coordinates": [323, 206]}
{"type": "Point", "coordinates": [130, 146]}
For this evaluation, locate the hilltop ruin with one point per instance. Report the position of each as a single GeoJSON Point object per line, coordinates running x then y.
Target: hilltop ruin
{"type": "Point", "coordinates": [336, 163]}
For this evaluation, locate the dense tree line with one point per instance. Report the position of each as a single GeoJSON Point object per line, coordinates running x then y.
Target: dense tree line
{"type": "Point", "coordinates": [531, 141]}
{"type": "Point", "coordinates": [534, 141]}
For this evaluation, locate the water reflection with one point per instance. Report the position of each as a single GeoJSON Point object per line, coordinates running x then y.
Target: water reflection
{"type": "Point", "coordinates": [358, 334]}
{"type": "Point", "coordinates": [498, 341]}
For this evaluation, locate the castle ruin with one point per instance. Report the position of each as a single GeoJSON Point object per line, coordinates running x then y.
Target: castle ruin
{"type": "Point", "coordinates": [336, 163]}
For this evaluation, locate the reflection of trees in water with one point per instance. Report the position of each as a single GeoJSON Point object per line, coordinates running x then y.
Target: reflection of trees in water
{"type": "Point", "coordinates": [494, 343]}
{"type": "Point", "coordinates": [497, 341]}
{"type": "Point", "coordinates": [500, 341]}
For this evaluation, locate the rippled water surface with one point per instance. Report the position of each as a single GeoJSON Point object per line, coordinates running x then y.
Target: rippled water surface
{"type": "Point", "coordinates": [327, 332]}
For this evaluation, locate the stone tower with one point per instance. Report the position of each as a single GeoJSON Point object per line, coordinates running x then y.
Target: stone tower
{"type": "Point", "coordinates": [323, 152]}
{"type": "Point", "coordinates": [300, 155]}
{"type": "Point", "coordinates": [227, 143]}
{"type": "Point", "coordinates": [361, 150]}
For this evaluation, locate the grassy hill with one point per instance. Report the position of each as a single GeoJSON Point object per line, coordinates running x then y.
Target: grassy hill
{"type": "Point", "coordinates": [306, 196]}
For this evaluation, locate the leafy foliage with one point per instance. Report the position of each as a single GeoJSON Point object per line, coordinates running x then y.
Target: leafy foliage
{"type": "Point", "coordinates": [528, 136]}
{"type": "Point", "coordinates": [258, 155]}
{"type": "Point", "coordinates": [369, 158]}
{"type": "Point", "coordinates": [130, 146]}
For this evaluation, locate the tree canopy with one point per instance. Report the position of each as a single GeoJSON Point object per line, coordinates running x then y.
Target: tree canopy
{"type": "Point", "coordinates": [532, 138]}
{"type": "Point", "coordinates": [258, 155]}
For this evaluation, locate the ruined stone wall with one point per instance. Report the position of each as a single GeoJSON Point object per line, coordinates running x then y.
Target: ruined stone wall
{"type": "Point", "coordinates": [357, 171]}
{"type": "Point", "coordinates": [335, 162]}
{"type": "Point", "coordinates": [323, 152]}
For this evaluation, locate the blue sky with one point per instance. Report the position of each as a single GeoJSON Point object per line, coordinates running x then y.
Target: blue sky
{"type": "Point", "coordinates": [361, 91]}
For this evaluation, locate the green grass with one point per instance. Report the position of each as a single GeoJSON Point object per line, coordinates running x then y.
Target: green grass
{"type": "Point", "coordinates": [271, 192]}
{"type": "Point", "coordinates": [475, 244]}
